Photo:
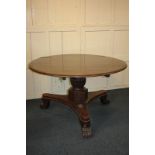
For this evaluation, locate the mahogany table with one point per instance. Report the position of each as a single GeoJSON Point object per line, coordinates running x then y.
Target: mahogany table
{"type": "Point", "coordinates": [77, 67]}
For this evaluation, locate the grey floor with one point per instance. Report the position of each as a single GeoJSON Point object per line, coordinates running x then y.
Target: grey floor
{"type": "Point", "coordinates": [56, 131]}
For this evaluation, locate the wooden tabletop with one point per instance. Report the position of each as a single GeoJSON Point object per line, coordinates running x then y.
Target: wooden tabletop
{"type": "Point", "coordinates": [77, 65]}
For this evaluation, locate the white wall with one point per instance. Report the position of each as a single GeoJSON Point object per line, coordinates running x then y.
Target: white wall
{"type": "Point", "coordinates": [76, 26]}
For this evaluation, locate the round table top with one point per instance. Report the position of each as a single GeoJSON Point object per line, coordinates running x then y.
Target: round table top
{"type": "Point", "coordinates": [77, 65]}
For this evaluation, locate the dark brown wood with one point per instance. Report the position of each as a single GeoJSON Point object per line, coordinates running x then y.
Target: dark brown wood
{"type": "Point", "coordinates": [78, 93]}
{"type": "Point", "coordinates": [77, 99]}
{"type": "Point", "coordinates": [77, 67]}
{"type": "Point", "coordinates": [104, 99]}
{"type": "Point", "coordinates": [45, 103]}
{"type": "Point", "coordinates": [94, 95]}
{"type": "Point", "coordinates": [108, 75]}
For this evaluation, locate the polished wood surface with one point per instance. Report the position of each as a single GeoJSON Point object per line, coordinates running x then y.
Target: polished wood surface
{"type": "Point", "coordinates": [77, 99]}
{"type": "Point", "coordinates": [77, 65]}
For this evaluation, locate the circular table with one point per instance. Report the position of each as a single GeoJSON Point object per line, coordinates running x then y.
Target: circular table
{"type": "Point", "coordinates": [77, 67]}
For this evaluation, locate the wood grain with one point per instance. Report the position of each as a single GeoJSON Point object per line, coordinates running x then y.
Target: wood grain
{"type": "Point", "coordinates": [77, 65]}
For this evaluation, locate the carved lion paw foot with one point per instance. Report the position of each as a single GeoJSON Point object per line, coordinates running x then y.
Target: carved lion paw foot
{"type": "Point", "coordinates": [86, 132]}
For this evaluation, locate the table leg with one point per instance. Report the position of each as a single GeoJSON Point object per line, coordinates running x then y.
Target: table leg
{"type": "Point", "coordinates": [104, 99]}
{"type": "Point", "coordinates": [45, 103]}
{"type": "Point", "coordinates": [84, 119]}
{"type": "Point", "coordinates": [78, 94]}
{"type": "Point", "coordinates": [77, 99]}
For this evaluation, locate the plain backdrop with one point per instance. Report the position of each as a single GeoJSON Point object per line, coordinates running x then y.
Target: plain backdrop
{"type": "Point", "coordinates": [13, 77]}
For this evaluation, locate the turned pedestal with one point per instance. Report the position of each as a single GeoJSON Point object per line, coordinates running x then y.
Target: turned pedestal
{"type": "Point", "coordinates": [77, 99]}
{"type": "Point", "coordinates": [77, 67]}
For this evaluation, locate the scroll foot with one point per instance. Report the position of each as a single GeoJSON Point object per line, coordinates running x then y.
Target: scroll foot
{"type": "Point", "coordinates": [45, 104]}
{"type": "Point", "coordinates": [104, 99]}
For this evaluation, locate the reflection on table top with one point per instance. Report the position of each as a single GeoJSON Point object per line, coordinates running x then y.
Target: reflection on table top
{"type": "Point", "coordinates": [77, 65]}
